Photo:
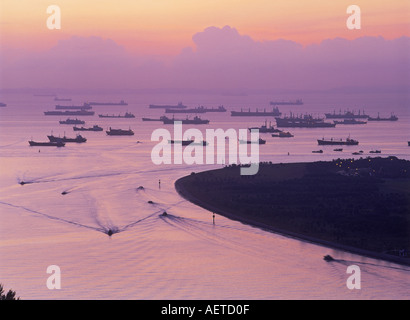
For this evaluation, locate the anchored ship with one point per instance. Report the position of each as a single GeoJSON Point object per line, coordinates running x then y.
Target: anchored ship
{"type": "Point", "coordinates": [77, 139]}
{"type": "Point", "coordinates": [69, 113]}
{"type": "Point", "coordinates": [287, 103]}
{"type": "Point", "coordinates": [333, 142]}
{"type": "Point", "coordinates": [127, 115]}
{"type": "Point", "coordinates": [346, 115]}
{"type": "Point", "coordinates": [62, 99]}
{"type": "Point", "coordinates": [349, 121]}
{"type": "Point", "coordinates": [121, 103]}
{"type": "Point", "coordinates": [85, 106]}
{"type": "Point", "coordinates": [195, 110]}
{"type": "Point", "coordinates": [274, 113]}
{"type": "Point", "coordinates": [391, 118]}
{"type": "Point", "coordinates": [93, 128]}
{"type": "Point", "coordinates": [120, 132]}
{"type": "Point", "coordinates": [195, 120]}
{"type": "Point", "coordinates": [306, 121]}
{"type": "Point", "coordinates": [260, 141]}
{"type": "Point", "coordinates": [178, 106]}
{"type": "Point", "coordinates": [72, 121]}
{"type": "Point", "coordinates": [2, 104]}
{"type": "Point", "coordinates": [46, 144]}
{"type": "Point", "coordinates": [265, 128]}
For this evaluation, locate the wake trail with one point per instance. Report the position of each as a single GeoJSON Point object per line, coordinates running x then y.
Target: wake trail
{"type": "Point", "coordinates": [52, 217]}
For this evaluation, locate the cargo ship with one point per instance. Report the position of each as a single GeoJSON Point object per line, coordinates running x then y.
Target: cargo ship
{"type": "Point", "coordinates": [195, 110]}
{"type": "Point", "coordinates": [77, 139]}
{"type": "Point", "coordinates": [333, 142]}
{"type": "Point", "coordinates": [69, 113]}
{"type": "Point", "coordinates": [120, 132]}
{"type": "Point", "coordinates": [346, 115]}
{"type": "Point", "coordinates": [283, 135]}
{"type": "Point", "coordinates": [274, 113]}
{"type": "Point", "coordinates": [152, 119]}
{"type": "Point", "coordinates": [265, 128]}
{"type": "Point", "coordinates": [46, 144]}
{"type": "Point", "coordinates": [85, 106]}
{"type": "Point", "coordinates": [121, 103]}
{"type": "Point", "coordinates": [349, 121]}
{"type": "Point", "coordinates": [178, 106]}
{"type": "Point", "coordinates": [72, 121]}
{"type": "Point", "coordinates": [297, 102]}
{"type": "Point", "coordinates": [127, 115]}
{"type": "Point", "coordinates": [306, 121]}
{"type": "Point", "coordinates": [391, 118]}
{"type": "Point", "coordinates": [219, 109]}
{"type": "Point", "coordinates": [93, 128]}
{"type": "Point", "coordinates": [195, 120]}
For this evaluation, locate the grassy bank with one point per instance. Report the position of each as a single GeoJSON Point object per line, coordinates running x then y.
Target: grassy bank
{"type": "Point", "coordinates": [358, 205]}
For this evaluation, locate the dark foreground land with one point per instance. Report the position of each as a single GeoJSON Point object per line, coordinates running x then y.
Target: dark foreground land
{"type": "Point", "coordinates": [362, 206]}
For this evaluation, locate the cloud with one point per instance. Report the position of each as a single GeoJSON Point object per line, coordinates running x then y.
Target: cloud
{"type": "Point", "coordinates": [221, 59]}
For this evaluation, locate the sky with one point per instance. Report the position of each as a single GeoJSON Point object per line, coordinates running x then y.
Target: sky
{"type": "Point", "coordinates": [166, 38]}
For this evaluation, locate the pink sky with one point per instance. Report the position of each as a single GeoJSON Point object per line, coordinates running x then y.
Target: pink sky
{"type": "Point", "coordinates": [284, 44]}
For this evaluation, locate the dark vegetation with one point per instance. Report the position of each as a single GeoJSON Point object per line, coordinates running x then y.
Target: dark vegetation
{"type": "Point", "coordinates": [359, 203]}
{"type": "Point", "coordinates": [10, 295]}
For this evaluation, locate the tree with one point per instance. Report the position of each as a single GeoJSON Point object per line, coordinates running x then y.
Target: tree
{"type": "Point", "coordinates": [10, 295]}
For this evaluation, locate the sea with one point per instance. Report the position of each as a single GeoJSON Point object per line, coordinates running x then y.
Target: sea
{"type": "Point", "coordinates": [73, 195]}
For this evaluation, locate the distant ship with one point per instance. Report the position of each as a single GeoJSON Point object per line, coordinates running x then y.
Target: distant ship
{"type": "Point", "coordinates": [195, 120]}
{"type": "Point", "coordinates": [408, 143]}
{"type": "Point", "coordinates": [46, 144]}
{"type": "Point", "coordinates": [178, 106]}
{"type": "Point", "coordinates": [127, 115]}
{"type": "Point", "coordinates": [287, 103]}
{"type": "Point", "coordinates": [283, 135]}
{"type": "Point", "coordinates": [72, 121]}
{"type": "Point", "coordinates": [121, 103]}
{"type": "Point", "coordinates": [274, 113]}
{"type": "Point", "coordinates": [62, 99]}
{"type": "Point", "coordinates": [150, 119]}
{"type": "Point", "coordinates": [391, 118]}
{"type": "Point", "coordinates": [93, 128]}
{"type": "Point", "coordinates": [347, 142]}
{"type": "Point", "coordinates": [306, 121]}
{"type": "Point", "coordinates": [120, 132]}
{"type": "Point", "coordinates": [195, 110]}
{"type": "Point", "coordinates": [69, 113]}
{"type": "Point", "coordinates": [2, 104]}
{"type": "Point", "coordinates": [183, 142]}
{"type": "Point", "coordinates": [219, 109]}
{"type": "Point", "coordinates": [85, 106]}
{"type": "Point", "coordinates": [350, 121]}
{"type": "Point", "coordinates": [77, 139]}
{"type": "Point", "coordinates": [260, 141]}
{"type": "Point", "coordinates": [346, 115]}
{"type": "Point", "coordinates": [265, 128]}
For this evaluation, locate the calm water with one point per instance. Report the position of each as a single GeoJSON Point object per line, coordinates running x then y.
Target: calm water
{"type": "Point", "coordinates": [182, 256]}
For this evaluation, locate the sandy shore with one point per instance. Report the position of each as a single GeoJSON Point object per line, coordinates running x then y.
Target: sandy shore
{"type": "Point", "coordinates": [183, 192]}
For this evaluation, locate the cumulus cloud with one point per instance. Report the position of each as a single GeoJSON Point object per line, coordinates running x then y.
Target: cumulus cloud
{"type": "Point", "coordinates": [221, 59]}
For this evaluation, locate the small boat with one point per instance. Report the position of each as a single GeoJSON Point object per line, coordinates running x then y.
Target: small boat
{"type": "Point", "coordinates": [260, 141]}
{"type": "Point", "coordinates": [46, 144]}
{"type": "Point", "coordinates": [339, 150]}
{"type": "Point", "coordinates": [328, 258]}
{"type": "Point", "coordinates": [375, 151]}
{"type": "Point", "coordinates": [120, 132]}
{"type": "Point", "coordinates": [317, 151]}
{"type": "Point", "coordinates": [93, 128]}
{"type": "Point", "coordinates": [183, 142]}
{"type": "Point", "coordinates": [357, 153]}
{"type": "Point", "coordinates": [408, 143]}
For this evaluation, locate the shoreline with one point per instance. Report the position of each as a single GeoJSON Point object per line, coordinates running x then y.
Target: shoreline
{"type": "Point", "coordinates": [269, 228]}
